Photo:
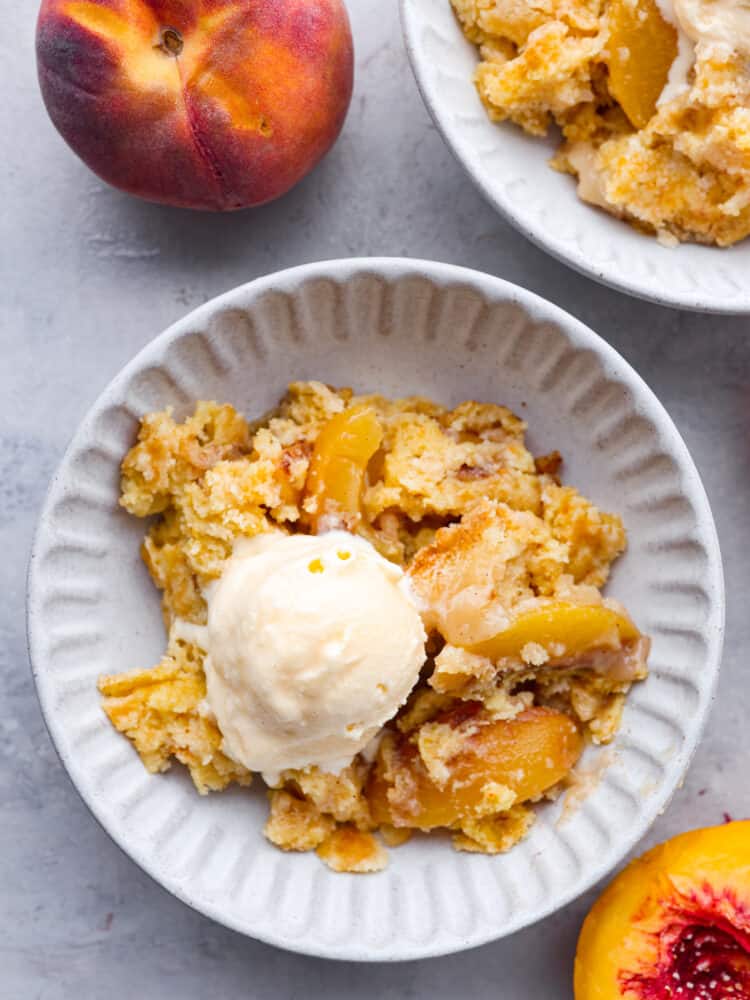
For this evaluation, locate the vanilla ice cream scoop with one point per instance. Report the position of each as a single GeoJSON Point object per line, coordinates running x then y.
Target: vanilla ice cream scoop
{"type": "Point", "coordinates": [313, 643]}
{"type": "Point", "coordinates": [725, 23]}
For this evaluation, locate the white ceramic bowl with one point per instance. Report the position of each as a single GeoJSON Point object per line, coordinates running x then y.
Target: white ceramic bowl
{"type": "Point", "coordinates": [396, 327]}
{"type": "Point", "coordinates": [510, 168]}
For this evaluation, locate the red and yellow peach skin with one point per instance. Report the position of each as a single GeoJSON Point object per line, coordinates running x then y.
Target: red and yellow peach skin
{"type": "Point", "coordinates": [674, 925]}
{"type": "Point", "coordinates": [210, 104]}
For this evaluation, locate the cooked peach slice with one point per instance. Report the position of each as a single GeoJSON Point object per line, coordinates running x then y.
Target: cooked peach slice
{"type": "Point", "coordinates": [484, 766]}
{"type": "Point", "coordinates": [674, 924]}
{"type": "Point", "coordinates": [642, 47]}
{"type": "Point", "coordinates": [563, 629]}
{"type": "Point", "coordinates": [339, 461]}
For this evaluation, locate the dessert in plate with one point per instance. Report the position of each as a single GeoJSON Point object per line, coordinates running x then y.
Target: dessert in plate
{"type": "Point", "coordinates": [389, 610]}
{"type": "Point", "coordinates": [652, 100]}
{"type": "Point", "coordinates": [397, 327]}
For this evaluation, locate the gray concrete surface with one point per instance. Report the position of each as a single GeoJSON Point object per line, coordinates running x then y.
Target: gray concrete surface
{"type": "Point", "coordinates": [87, 276]}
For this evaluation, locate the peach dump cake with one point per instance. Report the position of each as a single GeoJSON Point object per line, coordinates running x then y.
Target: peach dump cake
{"type": "Point", "coordinates": [652, 98]}
{"type": "Point", "coordinates": [389, 610]}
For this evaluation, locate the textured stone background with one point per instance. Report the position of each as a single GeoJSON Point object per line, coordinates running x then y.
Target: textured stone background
{"type": "Point", "coordinates": [87, 276]}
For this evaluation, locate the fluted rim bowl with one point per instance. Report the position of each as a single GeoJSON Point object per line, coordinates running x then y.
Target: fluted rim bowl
{"type": "Point", "coordinates": [397, 327]}
{"type": "Point", "coordinates": [511, 170]}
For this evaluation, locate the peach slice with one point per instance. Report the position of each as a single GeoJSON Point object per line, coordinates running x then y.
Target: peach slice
{"type": "Point", "coordinates": [573, 628]}
{"type": "Point", "coordinates": [675, 924]}
{"type": "Point", "coordinates": [525, 755]}
{"type": "Point", "coordinates": [642, 47]}
{"type": "Point", "coordinates": [339, 461]}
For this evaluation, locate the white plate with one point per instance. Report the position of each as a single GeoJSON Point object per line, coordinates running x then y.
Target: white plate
{"type": "Point", "coordinates": [396, 327]}
{"type": "Point", "coordinates": [510, 168]}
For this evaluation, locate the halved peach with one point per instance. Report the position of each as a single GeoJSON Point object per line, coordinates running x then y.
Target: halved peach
{"type": "Point", "coordinates": [571, 628]}
{"type": "Point", "coordinates": [525, 755]}
{"type": "Point", "coordinates": [339, 461]}
{"type": "Point", "coordinates": [642, 47]}
{"type": "Point", "coordinates": [675, 924]}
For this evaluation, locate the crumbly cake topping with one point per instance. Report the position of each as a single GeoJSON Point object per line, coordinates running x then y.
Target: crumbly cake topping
{"type": "Point", "coordinates": [486, 533]}
{"type": "Point", "coordinates": [680, 168]}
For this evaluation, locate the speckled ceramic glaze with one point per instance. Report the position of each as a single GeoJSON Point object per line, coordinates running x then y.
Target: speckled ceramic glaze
{"type": "Point", "coordinates": [512, 171]}
{"type": "Point", "coordinates": [395, 327]}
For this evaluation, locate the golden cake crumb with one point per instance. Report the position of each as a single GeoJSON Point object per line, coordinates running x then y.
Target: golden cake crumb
{"type": "Point", "coordinates": [494, 834]}
{"type": "Point", "coordinates": [160, 711]}
{"type": "Point", "coordinates": [348, 849]}
{"type": "Point", "coordinates": [296, 824]}
{"type": "Point", "coordinates": [339, 795]}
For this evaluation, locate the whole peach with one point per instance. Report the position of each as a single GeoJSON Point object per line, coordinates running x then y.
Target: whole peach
{"type": "Point", "coordinates": [210, 104]}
